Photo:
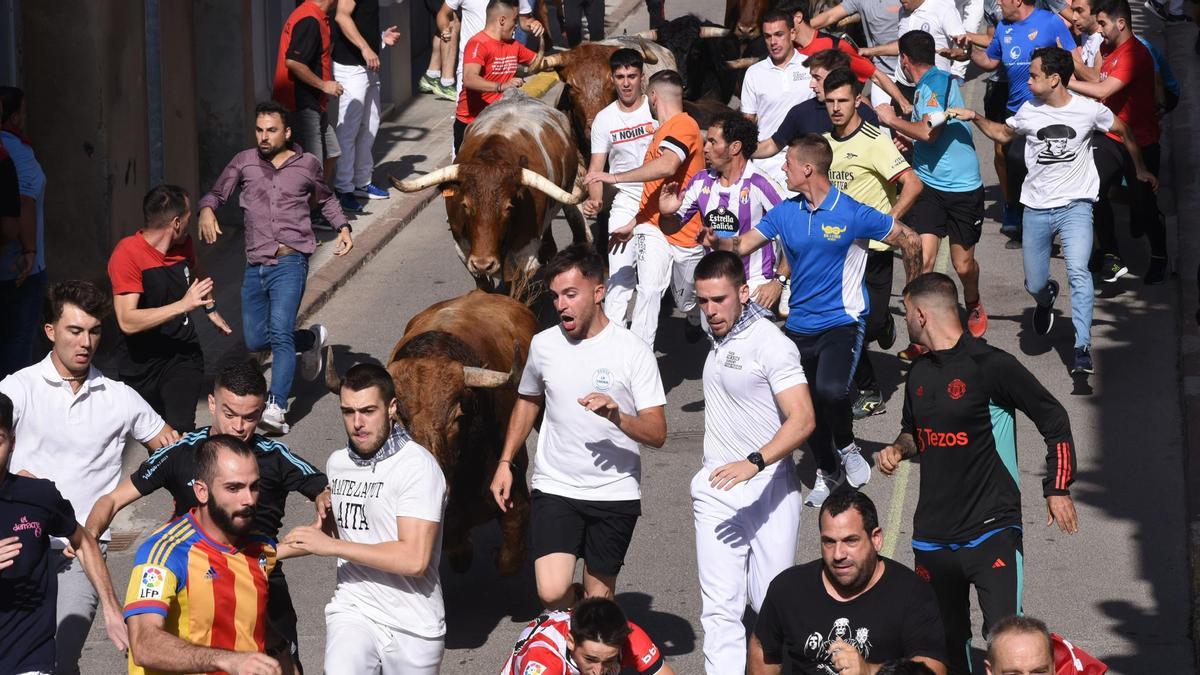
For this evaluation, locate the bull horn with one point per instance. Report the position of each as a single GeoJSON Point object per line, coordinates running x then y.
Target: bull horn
{"type": "Point", "coordinates": [648, 57]}
{"type": "Point", "coordinates": [742, 63]}
{"type": "Point", "coordinates": [442, 175]}
{"type": "Point", "coordinates": [714, 32]}
{"type": "Point", "coordinates": [551, 62]}
{"type": "Point", "coordinates": [485, 378]}
{"type": "Point", "coordinates": [332, 379]}
{"type": "Point", "coordinates": [535, 180]}
{"type": "Point", "coordinates": [537, 58]}
{"type": "Point", "coordinates": [652, 34]}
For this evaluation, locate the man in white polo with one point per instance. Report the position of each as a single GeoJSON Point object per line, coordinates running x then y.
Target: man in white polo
{"type": "Point", "coordinates": [775, 84]}
{"type": "Point", "coordinates": [745, 500]}
{"type": "Point", "coordinates": [72, 423]}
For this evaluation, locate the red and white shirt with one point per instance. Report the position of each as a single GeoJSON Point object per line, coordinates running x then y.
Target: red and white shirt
{"type": "Point", "coordinates": [542, 649]}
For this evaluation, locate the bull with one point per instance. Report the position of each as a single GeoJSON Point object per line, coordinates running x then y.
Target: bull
{"type": "Point", "coordinates": [516, 169]}
{"type": "Point", "coordinates": [455, 388]}
{"type": "Point", "coordinates": [701, 50]}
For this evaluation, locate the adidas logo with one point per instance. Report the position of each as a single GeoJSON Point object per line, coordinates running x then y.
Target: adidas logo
{"type": "Point", "coordinates": [212, 573]}
{"type": "Point", "coordinates": [998, 564]}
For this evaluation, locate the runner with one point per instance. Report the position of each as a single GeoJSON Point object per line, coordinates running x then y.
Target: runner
{"type": "Point", "coordinates": [827, 258]}
{"type": "Point", "coordinates": [880, 24]}
{"type": "Point", "coordinates": [939, 18]}
{"type": "Point", "coordinates": [490, 63]}
{"type": "Point", "coordinates": [745, 500]}
{"type": "Point", "coordinates": [775, 84]}
{"type": "Point", "coordinates": [602, 394]}
{"type": "Point", "coordinates": [1087, 61]}
{"type": "Point", "coordinates": [959, 416]}
{"type": "Point", "coordinates": [595, 638]}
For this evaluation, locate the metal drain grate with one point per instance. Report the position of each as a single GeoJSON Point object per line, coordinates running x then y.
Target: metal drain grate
{"type": "Point", "coordinates": [121, 541]}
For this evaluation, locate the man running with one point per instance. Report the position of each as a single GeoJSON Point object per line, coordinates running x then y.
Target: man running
{"type": "Point", "coordinates": [603, 398]}
{"type": "Point", "coordinates": [621, 134]}
{"type": "Point", "coordinates": [775, 84]}
{"type": "Point", "coordinates": [236, 405]}
{"type": "Point", "coordinates": [745, 501]}
{"type": "Point", "coordinates": [1061, 185]}
{"type": "Point", "coordinates": [490, 65]}
{"type": "Point", "coordinates": [939, 18]}
{"type": "Point", "coordinates": [594, 638]}
{"type": "Point", "coordinates": [959, 405]}
{"type": "Point", "coordinates": [880, 24]}
{"type": "Point", "coordinates": [821, 231]}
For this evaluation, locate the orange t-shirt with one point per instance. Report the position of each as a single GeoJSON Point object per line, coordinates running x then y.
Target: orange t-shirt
{"type": "Point", "coordinates": [680, 135]}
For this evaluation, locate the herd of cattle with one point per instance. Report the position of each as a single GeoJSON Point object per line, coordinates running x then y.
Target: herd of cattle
{"type": "Point", "coordinates": [520, 164]}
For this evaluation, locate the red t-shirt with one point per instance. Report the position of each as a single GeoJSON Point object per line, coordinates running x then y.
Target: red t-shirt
{"type": "Point", "coordinates": [543, 649]}
{"type": "Point", "coordinates": [1132, 64]}
{"type": "Point", "coordinates": [499, 60]}
{"type": "Point", "coordinates": [861, 66]}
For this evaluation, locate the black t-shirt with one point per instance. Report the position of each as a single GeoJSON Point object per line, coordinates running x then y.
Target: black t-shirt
{"type": "Point", "coordinates": [366, 19]}
{"type": "Point", "coordinates": [280, 472]}
{"type": "Point", "coordinates": [305, 47]}
{"type": "Point", "coordinates": [33, 510]}
{"type": "Point", "coordinates": [10, 188]}
{"type": "Point", "coordinates": [897, 618]}
{"type": "Point", "coordinates": [811, 117]}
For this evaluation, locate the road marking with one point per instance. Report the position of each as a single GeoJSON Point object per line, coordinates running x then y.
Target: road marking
{"type": "Point", "coordinates": [895, 512]}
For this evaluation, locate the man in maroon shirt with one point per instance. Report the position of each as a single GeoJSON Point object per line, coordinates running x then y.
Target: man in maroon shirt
{"type": "Point", "coordinates": [1126, 86]}
{"type": "Point", "coordinates": [276, 184]}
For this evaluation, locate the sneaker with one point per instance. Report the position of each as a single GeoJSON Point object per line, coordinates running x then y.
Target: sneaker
{"type": "Point", "coordinates": [858, 472]}
{"type": "Point", "coordinates": [911, 352]}
{"type": "Point", "coordinates": [272, 421]}
{"type": "Point", "coordinates": [425, 84]}
{"type": "Point", "coordinates": [1009, 225]}
{"type": "Point", "coordinates": [370, 191]}
{"type": "Point", "coordinates": [444, 92]}
{"type": "Point", "coordinates": [313, 358]}
{"type": "Point", "coordinates": [1083, 361]}
{"type": "Point", "coordinates": [1043, 316]}
{"type": "Point", "coordinates": [1156, 273]}
{"type": "Point", "coordinates": [823, 485]}
{"type": "Point", "coordinates": [349, 203]}
{"type": "Point", "coordinates": [1012, 244]}
{"type": "Point", "coordinates": [888, 339]}
{"type": "Point", "coordinates": [867, 404]}
{"type": "Point", "coordinates": [977, 320]}
{"type": "Point", "coordinates": [1112, 268]}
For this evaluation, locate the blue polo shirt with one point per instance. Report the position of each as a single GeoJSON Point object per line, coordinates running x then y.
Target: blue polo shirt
{"type": "Point", "coordinates": [1013, 44]}
{"type": "Point", "coordinates": [949, 162]}
{"type": "Point", "coordinates": [827, 250]}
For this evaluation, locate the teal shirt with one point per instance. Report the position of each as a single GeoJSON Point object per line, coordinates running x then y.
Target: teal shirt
{"type": "Point", "coordinates": [948, 163]}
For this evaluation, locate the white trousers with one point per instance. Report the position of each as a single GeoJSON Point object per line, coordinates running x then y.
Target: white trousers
{"type": "Point", "coordinates": [656, 264]}
{"type": "Point", "coordinates": [744, 537]}
{"type": "Point", "coordinates": [355, 645]}
{"type": "Point", "coordinates": [357, 125]}
{"type": "Point", "coordinates": [622, 276]}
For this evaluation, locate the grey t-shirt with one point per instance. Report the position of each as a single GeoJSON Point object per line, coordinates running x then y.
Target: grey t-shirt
{"type": "Point", "coordinates": [881, 25]}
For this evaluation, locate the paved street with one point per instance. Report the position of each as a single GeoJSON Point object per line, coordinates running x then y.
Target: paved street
{"type": "Point", "coordinates": [1119, 588]}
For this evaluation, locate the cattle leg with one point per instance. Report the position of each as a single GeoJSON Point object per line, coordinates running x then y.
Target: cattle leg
{"type": "Point", "coordinates": [514, 529]}
{"type": "Point", "coordinates": [579, 229]}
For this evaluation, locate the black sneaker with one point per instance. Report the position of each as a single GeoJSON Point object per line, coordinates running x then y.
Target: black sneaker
{"type": "Point", "coordinates": [1012, 244]}
{"type": "Point", "coordinates": [1083, 361]}
{"type": "Point", "coordinates": [868, 403]}
{"type": "Point", "coordinates": [888, 338]}
{"type": "Point", "coordinates": [1112, 269]}
{"type": "Point", "coordinates": [1156, 273]}
{"type": "Point", "coordinates": [1043, 316]}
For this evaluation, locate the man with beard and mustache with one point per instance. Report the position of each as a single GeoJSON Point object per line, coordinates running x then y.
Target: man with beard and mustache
{"type": "Point", "coordinates": [389, 497]}
{"type": "Point", "coordinates": [277, 182]}
{"type": "Point", "coordinates": [852, 588]}
{"type": "Point", "coordinates": [603, 397]}
{"type": "Point", "coordinates": [197, 598]}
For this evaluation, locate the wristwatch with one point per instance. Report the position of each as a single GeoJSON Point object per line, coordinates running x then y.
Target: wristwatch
{"type": "Point", "coordinates": [756, 459]}
{"type": "Point", "coordinates": [782, 278]}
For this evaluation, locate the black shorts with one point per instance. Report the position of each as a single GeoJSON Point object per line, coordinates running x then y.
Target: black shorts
{"type": "Point", "coordinates": [995, 101]}
{"type": "Point", "coordinates": [282, 616]}
{"type": "Point", "coordinates": [958, 215]}
{"type": "Point", "coordinates": [598, 532]}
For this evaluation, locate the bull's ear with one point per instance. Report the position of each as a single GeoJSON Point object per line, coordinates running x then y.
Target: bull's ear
{"type": "Point", "coordinates": [524, 162]}
{"type": "Point", "coordinates": [449, 189]}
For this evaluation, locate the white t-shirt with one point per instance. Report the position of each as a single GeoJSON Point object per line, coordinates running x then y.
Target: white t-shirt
{"type": "Point", "coordinates": [75, 438]}
{"type": "Point", "coordinates": [939, 18]}
{"type": "Point", "coordinates": [474, 17]}
{"type": "Point", "coordinates": [1091, 48]}
{"type": "Point", "coordinates": [580, 454]}
{"type": "Point", "coordinates": [1058, 150]}
{"type": "Point", "coordinates": [624, 137]}
{"type": "Point", "coordinates": [367, 499]}
{"type": "Point", "coordinates": [770, 91]}
{"type": "Point", "coordinates": [742, 375]}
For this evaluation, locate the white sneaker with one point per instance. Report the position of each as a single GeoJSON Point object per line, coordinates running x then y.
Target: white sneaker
{"type": "Point", "coordinates": [273, 420]}
{"type": "Point", "coordinates": [857, 470]}
{"type": "Point", "coordinates": [823, 485]}
{"type": "Point", "coordinates": [312, 360]}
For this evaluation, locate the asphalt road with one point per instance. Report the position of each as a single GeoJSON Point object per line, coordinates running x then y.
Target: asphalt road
{"type": "Point", "coordinates": [1118, 588]}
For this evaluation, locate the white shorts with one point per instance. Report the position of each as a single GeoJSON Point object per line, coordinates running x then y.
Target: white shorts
{"type": "Point", "coordinates": [355, 645]}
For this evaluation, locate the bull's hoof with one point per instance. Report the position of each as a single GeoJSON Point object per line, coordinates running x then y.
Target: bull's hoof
{"type": "Point", "coordinates": [460, 560]}
{"type": "Point", "coordinates": [509, 562]}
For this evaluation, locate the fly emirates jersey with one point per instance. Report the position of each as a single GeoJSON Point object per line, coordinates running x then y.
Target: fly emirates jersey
{"type": "Point", "coordinates": [624, 137]}
{"type": "Point", "coordinates": [542, 649]}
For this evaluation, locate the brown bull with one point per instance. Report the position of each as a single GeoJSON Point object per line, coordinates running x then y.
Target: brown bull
{"type": "Point", "coordinates": [743, 17]}
{"type": "Point", "coordinates": [455, 387]}
{"type": "Point", "coordinates": [515, 170]}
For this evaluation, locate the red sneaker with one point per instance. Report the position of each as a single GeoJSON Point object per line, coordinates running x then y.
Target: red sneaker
{"type": "Point", "coordinates": [977, 319]}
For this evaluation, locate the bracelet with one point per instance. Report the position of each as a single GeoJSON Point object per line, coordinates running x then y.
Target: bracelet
{"type": "Point", "coordinates": [508, 462]}
{"type": "Point", "coordinates": [209, 309]}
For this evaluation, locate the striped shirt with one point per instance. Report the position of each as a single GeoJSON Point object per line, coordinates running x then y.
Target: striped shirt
{"type": "Point", "coordinates": [209, 594]}
{"type": "Point", "coordinates": [755, 195]}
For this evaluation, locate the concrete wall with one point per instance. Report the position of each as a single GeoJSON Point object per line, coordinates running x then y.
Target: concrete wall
{"type": "Point", "coordinates": [181, 164]}
{"type": "Point", "coordinates": [224, 83]}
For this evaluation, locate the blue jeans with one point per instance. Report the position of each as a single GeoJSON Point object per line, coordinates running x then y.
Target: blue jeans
{"type": "Point", "coordinates": [1073, 225]}
{"type": "Point", "coordinates": [270, 299]}
{"type": "Point", "coordinates": [21, 307]}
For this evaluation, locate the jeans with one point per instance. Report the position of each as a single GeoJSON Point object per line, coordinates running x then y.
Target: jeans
{"type": "Point", "coordinates": [270, 299]}
{"type": "Point", "coordinates": [21, 307]}
{"type": "Point", "coordinates": [1073, 225]}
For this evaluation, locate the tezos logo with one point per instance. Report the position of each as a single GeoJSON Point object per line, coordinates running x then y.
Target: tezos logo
{"type": "Point", "coordinates": [602, 379]}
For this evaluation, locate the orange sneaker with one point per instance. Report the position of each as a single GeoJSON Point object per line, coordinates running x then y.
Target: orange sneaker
{"type": "Point", "coordinates": [912, 352]}
{"type": "Point", "coordinates": [977, 319]}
